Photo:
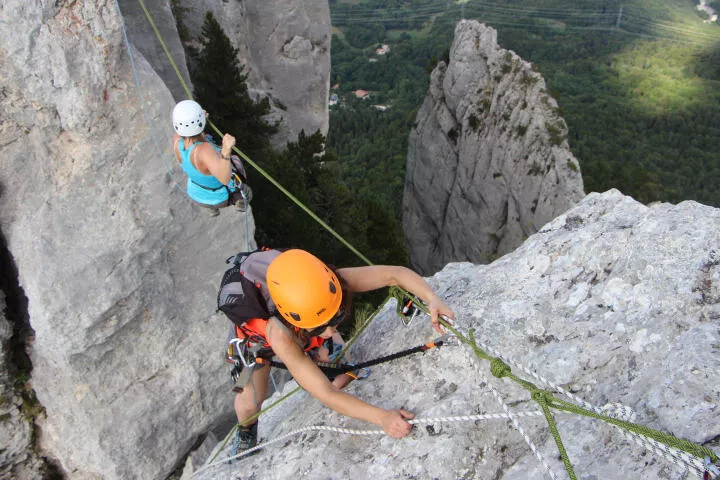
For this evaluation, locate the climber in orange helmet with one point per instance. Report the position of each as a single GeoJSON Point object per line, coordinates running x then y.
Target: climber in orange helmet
{"type": "Point", "coordinates": [308, 300]}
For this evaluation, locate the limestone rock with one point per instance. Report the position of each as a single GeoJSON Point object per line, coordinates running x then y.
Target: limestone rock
{"type": "Point", "coordinates": [200, 455]}
{"type": "Point", "coordinates": [613, 301]}
{"type": "Point", "coordinates": [488, 160]}
{"type": "Point", "coordinates": [143, 37]}
{"type": "Point", "coordinates": [119, 267]}
{"type": "Point", "coordinates": [285, 46]}
{"type": "Point", "coordinates": [17, 458]}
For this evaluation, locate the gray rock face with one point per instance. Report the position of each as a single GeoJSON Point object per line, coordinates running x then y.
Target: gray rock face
{"type": "Point", "coordinates": [285, 46]}
{"type": "Point", "coordinates": [613, 301]}
{"type": "Point", "coordinates": [488, 161]}
{"type": "Point", "coordinates": [17, 458]}
{"type": "Point", "coordinates": [142, 35]}
{"type": "Point", "coordinates": [120, 269]}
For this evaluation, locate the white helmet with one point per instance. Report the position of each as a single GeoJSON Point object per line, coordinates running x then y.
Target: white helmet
{"type": "Point", "coordinates": [188, 118]}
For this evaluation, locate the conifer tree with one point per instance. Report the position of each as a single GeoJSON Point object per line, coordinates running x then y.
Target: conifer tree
{"type": "Point", "coordinates": [221, 88]}
{"type": "Point", "coordinates": [312, 175]}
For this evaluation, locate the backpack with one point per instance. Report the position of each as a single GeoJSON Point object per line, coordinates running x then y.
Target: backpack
{"type": "Point", "coordinates": [243, 293]}
{"type": "Point", "coordinates": [245, 299]}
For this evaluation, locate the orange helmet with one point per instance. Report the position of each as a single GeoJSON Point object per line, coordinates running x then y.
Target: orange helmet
{"type": "Point", "coordinates": [305, 291]}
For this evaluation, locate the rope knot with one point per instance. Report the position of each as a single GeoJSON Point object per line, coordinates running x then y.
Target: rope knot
{"type": "Point", "coordinates": [499, 368]}
{"type": "Point", "coordinates": [543, 397]}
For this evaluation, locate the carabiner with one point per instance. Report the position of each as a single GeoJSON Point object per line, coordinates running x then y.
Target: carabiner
{"type": "Point", "coordinates": [711, 469]}
{"type": "Point", "coordinates": [447, 340]}
{"type": "Point", "coordinates": [242, 350]}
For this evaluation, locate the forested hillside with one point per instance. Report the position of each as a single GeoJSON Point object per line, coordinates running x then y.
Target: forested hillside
{"type": "Point", "coordinates": [638, 83]}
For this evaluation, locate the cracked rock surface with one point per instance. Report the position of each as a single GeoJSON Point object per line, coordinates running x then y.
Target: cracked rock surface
{"type": "Point", "coordinates": [488, 160]}
{"type": "Point", "coordinates": [285, 46]}
{"type": "Point", "coordinates": [614, 301]}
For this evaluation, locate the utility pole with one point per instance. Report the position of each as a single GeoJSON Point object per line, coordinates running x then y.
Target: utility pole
{"type": "Point", "coordinates": [462, 8]}
{"type": "Point", "coordinates": [619, 19]}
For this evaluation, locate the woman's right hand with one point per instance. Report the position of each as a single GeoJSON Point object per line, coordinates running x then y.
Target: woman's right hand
{"type": "Point", "coordinates": [395, 424]}
{"type": "Point", "coordinates": [437, 308]}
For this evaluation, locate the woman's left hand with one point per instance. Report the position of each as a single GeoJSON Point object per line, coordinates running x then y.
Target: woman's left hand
{"type": "Point", "coordinates": [438, 308]}
{"type": "Point", "coordinates": [228, 142]}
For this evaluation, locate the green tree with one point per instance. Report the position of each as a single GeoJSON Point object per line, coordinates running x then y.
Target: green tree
{"type": "Point", "coordinates": [221, 88]}
{"type": "Point", "coordinates": [312, 176]}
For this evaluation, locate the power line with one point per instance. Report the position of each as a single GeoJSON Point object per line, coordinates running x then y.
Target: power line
{"type": "Point", "coordinates": [500, 15]}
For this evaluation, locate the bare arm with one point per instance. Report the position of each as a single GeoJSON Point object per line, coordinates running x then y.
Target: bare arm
{"type": "Point", "coordinates": [362, 279]}
{"type": "Point", "coordinates": [177, 138]}
{"type": "Point", "coordinates": [214, 162]}
{"type": "Point", "coordinates": [309, 376]}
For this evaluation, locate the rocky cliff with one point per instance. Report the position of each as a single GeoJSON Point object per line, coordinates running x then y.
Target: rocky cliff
{"type": "Point", "coordinates": [488, 159]}
{"type": "Point", "coordinates": [18, 458]}
{"type": "Point", "coordinates": [143, 37]}
{"type": "Point", "coordinates": [118, 267]}
{"type": "Point", "coordinates": [285, 47]}
{"type": "Point", "coordinates": [612, 301]}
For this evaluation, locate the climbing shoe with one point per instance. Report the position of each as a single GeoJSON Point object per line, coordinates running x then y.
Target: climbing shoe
{"type": "Point", "coordinates": [245, 438]}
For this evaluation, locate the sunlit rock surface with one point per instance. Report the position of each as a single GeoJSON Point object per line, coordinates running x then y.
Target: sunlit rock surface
{"type": "Point", "coordinates": [613, 301]}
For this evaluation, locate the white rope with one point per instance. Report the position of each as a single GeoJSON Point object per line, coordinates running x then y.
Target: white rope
{"type": "Point", "coordinates": [352, 431]}
{"type": "Point", "coordinates": [617, 410]}
{"type": "Point", "coordinates": [519, 428]}
{"type": "Point", "coordinates": [537, 377]}
{"type": "Point", "coordinates": [678, 457]}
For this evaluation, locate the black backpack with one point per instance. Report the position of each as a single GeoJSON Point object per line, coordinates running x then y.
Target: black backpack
{"type": "Point", "coordinates": [243, 290]}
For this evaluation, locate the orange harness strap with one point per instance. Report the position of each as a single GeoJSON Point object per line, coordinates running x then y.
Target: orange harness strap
{"type": "Point", "coordinates": [255, 329]}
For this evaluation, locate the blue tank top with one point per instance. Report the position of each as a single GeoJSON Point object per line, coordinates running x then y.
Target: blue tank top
{"type": "Point", "coordinates": [202, 188]}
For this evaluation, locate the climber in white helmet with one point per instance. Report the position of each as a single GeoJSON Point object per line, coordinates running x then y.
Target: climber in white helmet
{"type": "Point", "coordinates": [215, 178]}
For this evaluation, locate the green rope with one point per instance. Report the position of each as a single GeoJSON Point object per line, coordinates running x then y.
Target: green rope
{"type": "Point", "coordinates": [546, 400]}
{"type": "Point", "coordinates": [670, 440]}
{"type": "Point", "coordinates": [250, 419]}
{"type": "Point", "coordinates": [167, 52]}
{"type": "Point", "coordinates": [295, 199]}
{"type": "Point", "coordinates": [245, 157]}
{"type": "Point", "coordinates": [540, 398]}
{"type": "Point", "coordinates": [498, 367]}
